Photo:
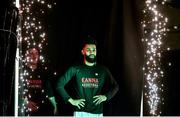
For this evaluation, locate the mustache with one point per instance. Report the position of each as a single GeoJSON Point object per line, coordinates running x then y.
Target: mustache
{"type": "Point", "coordinates": [92, 56]}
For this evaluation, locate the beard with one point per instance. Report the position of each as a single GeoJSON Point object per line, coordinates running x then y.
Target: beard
{"type": "Point", "coordinates": [90, 58]}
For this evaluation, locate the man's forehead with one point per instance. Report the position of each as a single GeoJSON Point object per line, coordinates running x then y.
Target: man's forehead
{"type": "Point", "coordinates": [32, 51]}
{"type": "Point", "coordinates": [90, 46]}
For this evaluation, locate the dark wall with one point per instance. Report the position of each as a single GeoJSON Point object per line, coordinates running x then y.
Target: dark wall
{"type": "Point", "coordinates": [8, 44]}
{"type": "Point", "coordinates": [109, 22]}
{"type": "Point", "coordinates": [171, 66]}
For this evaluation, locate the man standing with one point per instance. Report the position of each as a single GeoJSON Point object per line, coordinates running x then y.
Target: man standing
{"type": "Point", "coordinates": [39, 87]}
{"type": "Point", "coordinates": [94, 83]}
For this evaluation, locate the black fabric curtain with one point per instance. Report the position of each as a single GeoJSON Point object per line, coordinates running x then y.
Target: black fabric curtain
{"type": "Point", "coordinates": [116, 26]}
{"type": "Point", "coordinates": [8, 44]}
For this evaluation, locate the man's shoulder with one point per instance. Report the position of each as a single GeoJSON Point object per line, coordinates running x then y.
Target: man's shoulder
{"type": "Point", "coordinates": [82, 66]}
{"type": "Point", "coordinates": [101, 66]}
{"type": "Point", "coordinates": [75, 66]}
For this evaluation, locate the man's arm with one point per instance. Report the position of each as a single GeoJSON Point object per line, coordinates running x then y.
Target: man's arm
{"type": "Point", "coordinates": [53, 102]}
{"type": "Point", "coordinates": [50, 92]}
{"type": "Point", "coordinates": [111, 90]}
{"type": "Point", "coordinates": [62, 81]}
{"type": "Point", "coordinates": [113, 86]}
{"type": "Point", "coordinates": [61, 90]}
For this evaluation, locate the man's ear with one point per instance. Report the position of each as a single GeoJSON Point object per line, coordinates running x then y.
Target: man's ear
{"type": "Point", "coordinates": [82, 52]}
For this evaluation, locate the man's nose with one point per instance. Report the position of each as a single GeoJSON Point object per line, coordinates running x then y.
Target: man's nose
{"type": "Point", "coordinates": [92, 52]}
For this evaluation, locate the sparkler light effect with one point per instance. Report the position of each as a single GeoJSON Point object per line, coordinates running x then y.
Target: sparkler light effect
{"type": "Point", "coordinates": [154, 27]}
{"type": "Point", "coordinates": [31, 35]}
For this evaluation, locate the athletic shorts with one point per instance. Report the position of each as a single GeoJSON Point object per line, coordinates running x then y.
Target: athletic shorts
{"type": "Point", "coordinates": [86, 114]}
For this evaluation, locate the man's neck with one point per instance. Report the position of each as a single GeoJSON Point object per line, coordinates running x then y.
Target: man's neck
{"type": "Point", "coordinates": [89, 63]}
{"type": "Point", "coordinates": [32, 66]}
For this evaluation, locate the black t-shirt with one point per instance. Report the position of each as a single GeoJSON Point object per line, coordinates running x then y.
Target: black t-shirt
{"type": "Point", "coordinates": [36, 85]}
{"type": "Point", "coordinates": [88, 82]}
{"type": "Point", "coordinates": [39, 86]}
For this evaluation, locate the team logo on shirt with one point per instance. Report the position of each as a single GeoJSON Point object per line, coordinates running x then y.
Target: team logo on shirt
{"type": "Point", "coordinates": [96, 74]}
{"type": "Point", "coordinates": [90, 82]}
{"type": "Point", "coordinates": [34, 83]}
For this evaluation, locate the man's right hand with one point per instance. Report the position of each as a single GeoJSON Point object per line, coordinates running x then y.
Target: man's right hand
{"type": "Point", "coordinates": [77, 102]}
{"type": "Point", "coordinates": [33, 106]}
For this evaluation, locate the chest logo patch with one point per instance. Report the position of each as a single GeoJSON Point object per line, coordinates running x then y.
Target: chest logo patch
{"type": "Point", "coordinates": [90, 82]}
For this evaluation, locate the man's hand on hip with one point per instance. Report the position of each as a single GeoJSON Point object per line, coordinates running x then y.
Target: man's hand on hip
{"type": "Point", "coordinates": [98, 99]}
{"type": "Point", "coordinates": [77, 102]}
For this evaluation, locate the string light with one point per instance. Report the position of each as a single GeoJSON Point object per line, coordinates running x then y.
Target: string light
{"type": "Point", "coordinates": [154, 27]}
{"type": "Point", "coordinates": [32, 36]}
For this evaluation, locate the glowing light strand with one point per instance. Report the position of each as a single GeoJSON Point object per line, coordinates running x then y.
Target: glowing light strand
{"type": "Point", "coordinates": [154, 27]}
{"type": "Point", "coordinates": [32, 36]}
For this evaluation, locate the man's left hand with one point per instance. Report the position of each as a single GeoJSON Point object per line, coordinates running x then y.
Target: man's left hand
{"type": "Point", "coordinates": [56, 111]}
{"type": "Point", "coordinates": [99, 99]}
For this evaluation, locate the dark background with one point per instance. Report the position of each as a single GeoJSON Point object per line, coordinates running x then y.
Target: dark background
{"type": "Point", "coordinates": [109, 22]}
{"type": "Point", "coordinates": [8, 44]}
{"type": "Point", "coordinates": [116, 26]}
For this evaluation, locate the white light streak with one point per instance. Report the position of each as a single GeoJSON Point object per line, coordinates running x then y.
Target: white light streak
{"type": "Point", "coordinates": [17, 4]}
{"type": "Point", "coordinates": [33, 36]}
{"type": "Point", "coordinates": [154, 26]}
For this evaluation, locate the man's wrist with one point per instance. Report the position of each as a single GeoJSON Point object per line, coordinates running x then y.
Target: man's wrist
{"type": "Point", "coordinates": [105, 97]}
{"type": "Point", "coordinates": [70, 100]}
{"type": "Point", "coordinates": [53, 102]}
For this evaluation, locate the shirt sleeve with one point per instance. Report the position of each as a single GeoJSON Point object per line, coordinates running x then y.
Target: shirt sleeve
{"type": "Point", "coordinates": [49, 82]}
{"type": "Point", "coordinates": [113, 87]}
{"type": "Point", "coordinates": [49, 88]}
{"type": "Point", "coordinates": [62, 81]}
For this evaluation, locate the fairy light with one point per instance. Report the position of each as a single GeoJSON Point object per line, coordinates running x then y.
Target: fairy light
{"type": "Point", "coordinates": [32, 36]}
{"type": "Point", "coordinates": [154, 27]}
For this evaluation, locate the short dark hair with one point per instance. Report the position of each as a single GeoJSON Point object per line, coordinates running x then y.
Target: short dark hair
{"type": "Point", "coordinates": [88, 40]}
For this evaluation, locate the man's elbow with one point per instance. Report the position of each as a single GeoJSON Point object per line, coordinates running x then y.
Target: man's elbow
{"type": "Point", "coordinates": [117, 88]}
